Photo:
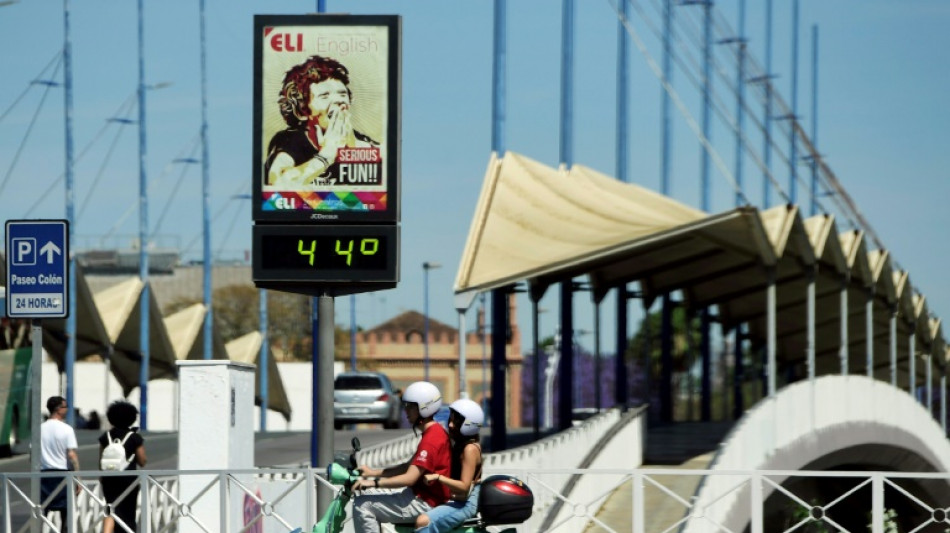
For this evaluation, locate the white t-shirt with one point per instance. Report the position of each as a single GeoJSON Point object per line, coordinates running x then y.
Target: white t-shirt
{"type": "Point", "coordinates": [56, 437]}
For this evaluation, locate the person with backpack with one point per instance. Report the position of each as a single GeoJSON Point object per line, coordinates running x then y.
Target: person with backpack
{"type": "Point", "coordinates": [422, 401]}
{"type": "Point", "coordinates": [121, 448]}
{"type": "Point", "coordinates": [465, 420]}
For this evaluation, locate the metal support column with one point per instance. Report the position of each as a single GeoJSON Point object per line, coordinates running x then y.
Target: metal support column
{"type": "Point", "coordinates": [462, 339]}
{"type": "Point", "coordinates": [667, 126]}
{"type": "Point", "coordinates": [323, 392]}
{"type": "Point", "coordinates": [869, 332]}
{"type": "Point", "coordinates": [929, 388]}
{"type": "Point", "coordinates": [620, 362]}
{"type": "Point", "coordinates": [70, 355]}
{"type": "Point", "coordinates": [566, 368]}
{"type": "Point", "coordinates": [892, 344]}
{"type": "Point", "coordinates": [843, 338]}
{"type": "Point", "coordinates": [263, 356]}
{"type": "Point", "coordinates": [738, 376]}
{"type": "Point", "coordinates": [597, 355]}
{"type": "Point", "coordinates": [499, 369]}
{"type": "Point", "coordinates": [666, 360]}
{"type": "Point", "coordinates": [536, 366]}
{"type": "Point", "coordinates": [943, 397]}
{"type": "Point", "coordinates": [463, 301]}
{"type": "Point", "coordinates": [566, 377]}
{"type": "Point", "coordinates": [810, 348]}
{"type": "Point", "coordinates": [623, 98]}
{"type": "Point", "coordinates": [912, 361]}
{"type": "Point", "coordinates": [143, 231]}
{"type": "Point", "coordinates": [705, 391]}
{"type": "Point", "coordinates": [814, 119]}
{"type": "Point", "coordinates": [207, 265]}
{"type": "Point", "coordinates": [771, 366]}
{"type": "Point", "coordinates": [767, 114]}
{"type": "Point", "coordinates": [740, 103]}
{"type": "Point", "coordinates": [793, 152]}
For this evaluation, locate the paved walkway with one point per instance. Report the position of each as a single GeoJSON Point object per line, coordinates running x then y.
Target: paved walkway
{"type": "Point", "coordinates": [687, 446]}
{"type": "Point", "coordinates": [663, 510]}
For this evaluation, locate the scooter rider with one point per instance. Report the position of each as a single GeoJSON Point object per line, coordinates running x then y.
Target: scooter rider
{"type": "Point", "coordinates": [465, 420]}
{"type": "Point", "coordinates": [421, 400]}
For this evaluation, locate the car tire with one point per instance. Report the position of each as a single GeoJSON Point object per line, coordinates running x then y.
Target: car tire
{"type": "Point", "coordinates": [337, 425]}
{"type": "Point", "coordinates": [390, 424]}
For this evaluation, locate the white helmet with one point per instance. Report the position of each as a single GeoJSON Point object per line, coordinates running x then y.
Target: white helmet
{"type": "Point", "coordinates": [472, 415]}
{"type": "Point", "coordinates": [425, 395]}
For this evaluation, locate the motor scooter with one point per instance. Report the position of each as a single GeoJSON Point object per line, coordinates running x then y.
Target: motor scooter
{"type": "Point", "coordinates": [504, 500]}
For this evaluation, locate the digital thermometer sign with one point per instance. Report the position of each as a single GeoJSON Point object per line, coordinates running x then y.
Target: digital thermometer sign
{"type": "Point", "coordinates": [326, 254]}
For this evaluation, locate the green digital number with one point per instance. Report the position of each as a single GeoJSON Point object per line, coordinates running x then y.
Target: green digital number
{"type": "Point", "coordinates": [348, 252]}
{"type": "Point", "coordinates": [367, 247]}
{"type": "Point", "coordinates": [310, 252]}
{"type": "Point", "coordinates": [366, 244]}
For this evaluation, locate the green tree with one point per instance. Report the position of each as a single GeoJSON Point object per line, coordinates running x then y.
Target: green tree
{"type": "Point", "coordinates": [685, 349]}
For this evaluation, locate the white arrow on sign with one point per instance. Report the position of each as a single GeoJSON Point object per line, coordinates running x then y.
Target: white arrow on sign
{"type": "Point", "coordinates": [50, 249]}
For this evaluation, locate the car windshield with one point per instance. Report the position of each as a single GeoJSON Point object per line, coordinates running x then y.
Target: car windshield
{"type": "Point", "coordinates": [357, 383]}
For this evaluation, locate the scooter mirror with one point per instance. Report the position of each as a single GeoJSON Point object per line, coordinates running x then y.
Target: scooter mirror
{"type": "Point", "coordinates": [356, 444]}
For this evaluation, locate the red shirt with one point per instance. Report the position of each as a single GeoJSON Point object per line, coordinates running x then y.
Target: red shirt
{"type": "Point", "coordinates": [433, 455]}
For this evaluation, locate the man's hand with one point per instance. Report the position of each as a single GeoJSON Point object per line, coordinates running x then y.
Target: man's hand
{"type": "Point", "coordinates": [364, 483]}
{"type": "Point", "coordinates": [339, 133]}
{"type": "Point", "coordinates": [366, 471]}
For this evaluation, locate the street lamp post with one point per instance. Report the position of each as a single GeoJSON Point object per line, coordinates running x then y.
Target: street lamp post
{"type": "Point", "coordinates": [426, 267]}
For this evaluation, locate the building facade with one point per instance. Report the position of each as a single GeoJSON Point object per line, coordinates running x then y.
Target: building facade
{"type": "Point", "coordinates": [397, 348]}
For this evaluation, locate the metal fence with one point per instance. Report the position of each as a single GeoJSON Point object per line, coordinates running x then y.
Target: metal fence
{"type": "Point", "coordinates": [635, 500]}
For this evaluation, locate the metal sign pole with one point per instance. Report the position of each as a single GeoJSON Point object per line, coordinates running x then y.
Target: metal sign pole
{"type": "Point", "coordinates": [36, 372]}
{"type": "Point", "coordinates": [324, 393]}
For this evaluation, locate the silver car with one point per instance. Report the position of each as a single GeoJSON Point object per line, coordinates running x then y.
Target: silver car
{"type": "Point", "coordinates": [365, 397]}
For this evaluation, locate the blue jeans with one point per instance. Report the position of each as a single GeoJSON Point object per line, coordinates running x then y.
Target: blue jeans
{"type": "Point", "coordinates": [450, 515]}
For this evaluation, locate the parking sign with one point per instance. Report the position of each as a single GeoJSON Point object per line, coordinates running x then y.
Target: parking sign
{"type": "Point", "coordinates": [37, 268]}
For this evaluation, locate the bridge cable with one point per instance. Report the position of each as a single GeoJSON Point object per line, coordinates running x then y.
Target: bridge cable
{"type": "Point", "coordinates": [105, 162]}
{"type": "Point", "coordinates": [788, 127]}
{"type": "Point", "coordinates": [690, 121]}
{"type": "Point", "coordinates": [79, 158]}
{"type": "Point", "coordinates": [29, 130]}
{"type": "Point", "coordinates": [181, 176]}
{"type": "Point", "coordinates": [151, 188]}
{"type": "Point", "coordinates": [42, 74]}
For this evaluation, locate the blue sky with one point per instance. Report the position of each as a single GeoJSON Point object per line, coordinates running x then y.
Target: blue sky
{"type": "Point", "coordinates": [884, 74]}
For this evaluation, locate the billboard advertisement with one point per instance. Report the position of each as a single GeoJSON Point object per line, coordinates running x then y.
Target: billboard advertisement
{"type": "Point", "coordinates": [326, 118]}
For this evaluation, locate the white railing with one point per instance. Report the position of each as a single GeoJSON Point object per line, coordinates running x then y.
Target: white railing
{"type": "Point", "coordinates": [236, 500]}
{"type": "Point", "coordinates": [874, 502]}
{"type": "Point", "coordinates": [809, 420]}
{"type": "Point", "coordinates": [271, 490]}
{"type": "Point", "coordinates": [394, 452]}
{"type": "Point", "coordinates": [608, 440]}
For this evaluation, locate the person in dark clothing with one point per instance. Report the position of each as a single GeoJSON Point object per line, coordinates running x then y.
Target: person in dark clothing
{"type": "Point", "coordinates": [94, 422]}
{"type": "Point", "coordinates": [121, 415]}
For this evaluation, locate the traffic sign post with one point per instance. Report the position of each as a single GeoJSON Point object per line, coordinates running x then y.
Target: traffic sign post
{"type": "Point", "coordinates": [37, 268]}
{"type": "Point", "coordinates": [37, 287]}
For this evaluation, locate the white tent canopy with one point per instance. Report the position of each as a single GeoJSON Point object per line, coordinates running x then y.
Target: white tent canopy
{"type": "Point", "coordinates": [543, 225]}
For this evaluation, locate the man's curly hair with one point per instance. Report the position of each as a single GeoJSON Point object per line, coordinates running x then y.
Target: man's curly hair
{"type": "Point", "coordinates": [294, 97]}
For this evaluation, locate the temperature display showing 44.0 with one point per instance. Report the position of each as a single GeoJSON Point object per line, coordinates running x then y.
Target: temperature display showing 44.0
{"type": "Point", "coordinates": [326, 253]}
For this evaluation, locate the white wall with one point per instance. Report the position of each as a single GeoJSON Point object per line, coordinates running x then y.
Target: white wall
{"type": "Point", "coordinates": [94, 390]}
